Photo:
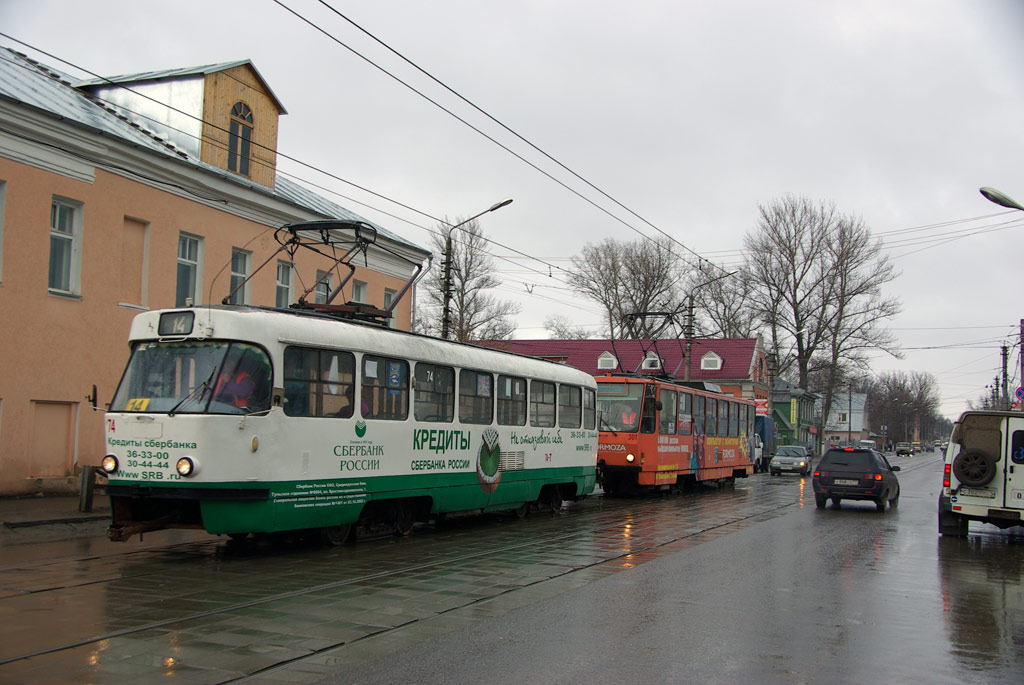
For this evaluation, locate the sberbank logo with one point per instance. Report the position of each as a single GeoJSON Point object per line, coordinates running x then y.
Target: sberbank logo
{"type": "Point", "coordinates": [360, 428]}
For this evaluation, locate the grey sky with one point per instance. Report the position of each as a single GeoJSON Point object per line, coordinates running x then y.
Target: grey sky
{"type": "Point", "coordinates": [690, 113]}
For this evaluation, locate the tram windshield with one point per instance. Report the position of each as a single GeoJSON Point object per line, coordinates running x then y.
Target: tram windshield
{"type": "Point", "coordinates": [618, 406]}
{"type": "Point", "coordinates": [195, 377]}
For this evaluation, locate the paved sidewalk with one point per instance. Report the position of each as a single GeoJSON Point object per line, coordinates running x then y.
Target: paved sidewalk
{"type": "Point", "coordinates": [29, 512]}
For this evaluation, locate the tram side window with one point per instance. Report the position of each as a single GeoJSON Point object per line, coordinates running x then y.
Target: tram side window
{"type": "Point", "coordinates": [511, 401]}
{"type": "Point", "coordinates": [699, 408]}
{"type": "Point", "coordinates": [723, 417]}
{"type": "Point", "coordinates": [589, 409]}
{"type": "Point", "coordinates": [434, 397]}
{"type": "Point", "coordinates": [385, 388]}
{"type": "Point", "coordinates": [648, 414]}
{"type": "Point", "coordinates": [734, 419]}
{"type": "Point", "coordinates": [570, 409]}
{"type": "Point", "coordinates": [685, 420]}
{"type": "Point", "coordinates": [711, 418]}
{"type": "Point", "coordinates": [318, 382]}
{"type": "Point", "coordinates": [476, 397]}
{"type": "Point", "coordinates": [542, 404]}
{"type": "Point", "coordinates": [667, 415]}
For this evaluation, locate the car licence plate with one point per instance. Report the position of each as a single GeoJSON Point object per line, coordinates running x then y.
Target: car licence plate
{"type": "Point", "coordinates": [977, 492]}
{"type": "Point", "coordinates": [846, 481]}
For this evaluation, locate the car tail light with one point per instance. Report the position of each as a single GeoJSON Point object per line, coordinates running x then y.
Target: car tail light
{"type": "Point", "coordinates": [873, 476]}
{"type": "Point", "coordinates": [945, 475]}
{"type": "Point", "coordinates": [821, 474]}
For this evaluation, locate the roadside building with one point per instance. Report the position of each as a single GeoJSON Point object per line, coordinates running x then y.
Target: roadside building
{"type": "Point", "coordinates": [112, 203]}
{"type": "Point", "coordinates": [793, 411]}
{"type": "Point", "coordinates": [734, 366]}
{"type": "Point", "coordinates": [847, 422]}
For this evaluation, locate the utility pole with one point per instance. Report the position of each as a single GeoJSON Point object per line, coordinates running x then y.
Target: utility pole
{"type": "Point", "coordinates": [1006, 394]}
{"type": "Point", "coordinates": [446, 316]}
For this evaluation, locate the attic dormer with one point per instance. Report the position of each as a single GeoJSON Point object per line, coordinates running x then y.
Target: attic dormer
{"type": "Point", "coordinates": [222, 114]}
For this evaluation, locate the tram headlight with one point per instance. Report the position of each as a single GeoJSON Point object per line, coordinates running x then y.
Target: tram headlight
{"type": "Point", "coordinates": [630, 458]}
{"type": "Point", "coordinates": [109, 463]}
{"type": "Point", "coordinates": [186, 467]}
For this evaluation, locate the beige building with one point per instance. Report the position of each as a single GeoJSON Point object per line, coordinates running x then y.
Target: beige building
{"type": "Point", "coordinates": [112, 203]}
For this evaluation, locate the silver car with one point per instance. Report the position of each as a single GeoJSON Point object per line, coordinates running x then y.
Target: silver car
{"type": "Point", "coordinates": [791, 458]}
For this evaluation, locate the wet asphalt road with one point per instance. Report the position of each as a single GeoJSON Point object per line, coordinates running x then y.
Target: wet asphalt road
{"type": "Point", "coordinates": [847, 595]}
{"type": "Point", "coordinates": [751, 584]}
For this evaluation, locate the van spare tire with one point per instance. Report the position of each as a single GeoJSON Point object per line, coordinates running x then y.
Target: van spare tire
{"type": "Point", "coordinates": [974, 468]}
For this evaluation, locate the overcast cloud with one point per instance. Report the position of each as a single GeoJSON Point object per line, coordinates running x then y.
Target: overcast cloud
{"type": "Point", "coordinates": [690, 113]}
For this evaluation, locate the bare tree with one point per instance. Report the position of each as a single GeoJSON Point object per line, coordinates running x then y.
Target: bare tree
{"type": "Point", "coordinates": [560, 328]}
{"type": "Point", "coordinates": [475, 315]}
{"type": "Point", "coordinates": [726, 304]}
{"type": "Point", "coordinates": [626, 278]}
{"type": "Point", "coordinates": [819, 276]}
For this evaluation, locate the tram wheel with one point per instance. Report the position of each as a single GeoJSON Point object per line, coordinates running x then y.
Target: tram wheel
{"type": "Point", "coordinates": [403, 516]}
{"type": "Point", "coordinates": [552, 500]}
{"type": "Point", "coordinates": [522, 510]}
{"type": "Point", "coordinates": [335, 535]}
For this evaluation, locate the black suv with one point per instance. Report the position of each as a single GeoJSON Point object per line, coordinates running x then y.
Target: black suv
{"type": "Point", "coordinates": [855, 473]}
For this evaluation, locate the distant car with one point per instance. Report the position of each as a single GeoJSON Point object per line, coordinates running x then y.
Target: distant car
{"type": "Point", "coordinates": [904, 449]}
{"type": "Point", "coordinates": [855, 473]}
{"type": "Point", "coordinates": [791, 458]}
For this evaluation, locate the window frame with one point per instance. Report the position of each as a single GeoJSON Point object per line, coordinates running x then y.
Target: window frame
{"type": "Point", "coordinates": [315, 385]}
{"type": "Point", "coordinates": [424, 387]}
{"type": "Point", "coordinates": [284, 288]}
{"type": "Point", "coordinates": [537, 404]}
{"type": "Point", "coordinates": [243, 258]}
{"type": "Point", "coordinates": [393, 403]}
{"type": "Point", "coordinates": [668, 416]}
{"type": "Point", "coordinates": [71, 241]}
{"type": "Point", "coordinates": [197, 266]}
{"type": "Point", "coordinates": [240, 129]}
{"type": "Point", "coordinates": [512, 406]}
{"type": "Point", "coordinates": [570, 406]}
{"type": "Point", "coordinates": [476, 392]}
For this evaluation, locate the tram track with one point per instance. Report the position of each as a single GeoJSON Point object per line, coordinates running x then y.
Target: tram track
{"type": "Point", "coordinates": [606, 522]}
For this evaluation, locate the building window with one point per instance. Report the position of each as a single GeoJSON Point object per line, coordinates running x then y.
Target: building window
{"type": "Point", "coordinates": [239, 272]}
{"type": "Point", "coordinates": [323, 287]}
{"type": "Point", "coordinates": [710, 362]}
{"type": "Point", "coordinates": [190, 256]}
{"type": "Point", "coordinates": [240, 139]}
{"type": "Point", "coordinates": [607, 360]}
{"type": "Point", "coordinates": [389, 297]}
{"type": "Point", "coordinates": [284, 285]}
{"type": "Point", "coordinates": [359, 292]}
{"type": "Point", "coordinates": [65, 247]}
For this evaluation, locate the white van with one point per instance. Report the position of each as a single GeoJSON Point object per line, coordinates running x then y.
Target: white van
{"type": "Point", "coordinates": [981, 480]}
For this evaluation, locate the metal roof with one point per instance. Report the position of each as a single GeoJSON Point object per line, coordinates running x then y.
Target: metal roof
{"type": "Point", "coordinates": [180, 72]}
{"type": "Point", "coordinates": [57, 94]}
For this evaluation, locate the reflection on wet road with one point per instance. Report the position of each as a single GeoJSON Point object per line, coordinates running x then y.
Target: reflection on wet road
{"type": "Point", "coordinates": [777, 569]}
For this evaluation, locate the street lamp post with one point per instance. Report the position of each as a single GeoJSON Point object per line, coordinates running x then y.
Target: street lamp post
{"type": "Point", "coordinates": [447, 313]}
{"type": "Point", "coordinates": [1004, 200]}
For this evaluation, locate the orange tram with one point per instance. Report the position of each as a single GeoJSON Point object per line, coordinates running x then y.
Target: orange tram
{"type": "Point", "coordinates": [656, 434]}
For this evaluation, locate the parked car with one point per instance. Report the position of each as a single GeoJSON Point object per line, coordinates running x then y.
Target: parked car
{"type": "Point", "coordinates": [904, 449]}
{"type": "Point", "coordinates": [983, 476]}
{"type": "Point", "coordinates": [855, 473]}
{"type": "Point", "coordinates": [791, 458]}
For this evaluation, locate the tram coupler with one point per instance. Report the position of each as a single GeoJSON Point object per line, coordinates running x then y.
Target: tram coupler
{"type": "Point", "coordinates": [123, 533]}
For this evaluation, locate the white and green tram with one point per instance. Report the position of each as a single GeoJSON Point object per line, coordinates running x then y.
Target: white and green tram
{"type": "Point", "coordinates": [241, 420]}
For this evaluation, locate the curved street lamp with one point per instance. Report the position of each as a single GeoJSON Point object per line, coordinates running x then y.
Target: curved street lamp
{"type": "Point", "coordinates": [447, 314]}
{"type": "Point", "coordinates": [1004, 200]}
